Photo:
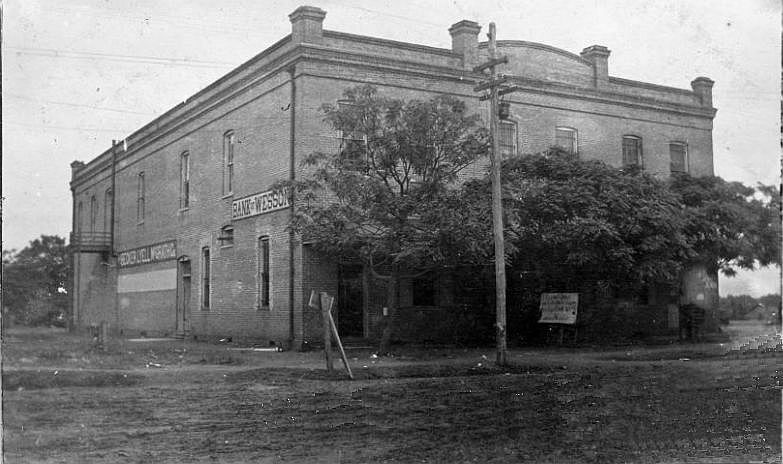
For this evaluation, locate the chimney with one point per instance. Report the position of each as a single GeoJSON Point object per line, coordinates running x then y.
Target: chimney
{"type": "Point", "coordinates": [598, 55]}
{"type": "Point", "coordinates": [76, 166]}
{"type": "Point", "coordinates": [702, 87]}
{"type": "Point", "coordinates": [307, 25]}
{"type": "Point", "coordinates": [464, 42]}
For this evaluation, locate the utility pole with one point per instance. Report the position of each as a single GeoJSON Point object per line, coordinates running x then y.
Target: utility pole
{"type": "Point", "coordinates": [497, 206]}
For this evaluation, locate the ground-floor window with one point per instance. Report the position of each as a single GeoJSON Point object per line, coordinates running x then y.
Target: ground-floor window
{"type": "Point", "coordinates": [263, 273]}
{"type": "Point", "coordinates": [205, 275]}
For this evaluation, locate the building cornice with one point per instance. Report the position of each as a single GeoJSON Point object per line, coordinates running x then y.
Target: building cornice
{"type": "Point", "coordinates": [391, 43]}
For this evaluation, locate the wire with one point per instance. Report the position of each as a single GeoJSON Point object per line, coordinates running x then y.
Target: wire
{"type": "Point", "coordinates": [74, 54]}
{"type": "Point", "coordinates": [78, 105]}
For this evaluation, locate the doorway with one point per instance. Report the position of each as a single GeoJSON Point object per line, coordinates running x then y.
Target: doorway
{"type": "Point", "coordinates": [183, 296]}
{"type": "Point", "coordinates": [350, 301]}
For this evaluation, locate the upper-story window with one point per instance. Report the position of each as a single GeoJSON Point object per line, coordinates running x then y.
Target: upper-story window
{"type": "Point", "coordinates": [229, 140]}
{"type": "Point", "coordinates": [79, 216]}
{"type": "Point", "coordinates": [184, 180]}
{"type": "Point", "coordinates": [205, 278]}
{"type": "Point", "coordinates": [93, 212]}
{"type": "Point", "coordinates": [566, 138]}
{"type": "Point", "coordinates": [107, 207]}
{"type": "Point", "coordinates": [226, 237]}
{"type": "Point", "coordinates": [508, 139]}
{"type": "Point", "coordinates": [140, 193]}
{"type": "Point", "coordinates": [632, 151]}
{"type": "Point", "coordinates": [678, 154]}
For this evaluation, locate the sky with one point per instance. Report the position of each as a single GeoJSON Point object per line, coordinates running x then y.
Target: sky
{"type": "Point", "coordinates": [78, 74]}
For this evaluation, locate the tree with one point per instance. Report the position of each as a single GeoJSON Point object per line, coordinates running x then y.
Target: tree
{"type": "Point", "coordinates": [569, 221]}
{"type": "Point", "coordinates": [378, 199]}
{"type": "Point", "coordinates": [36, 281]}
{"type": "Point", "coordinates": [729, 225]}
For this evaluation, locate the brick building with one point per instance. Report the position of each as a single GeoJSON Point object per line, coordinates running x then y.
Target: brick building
{"type": "Point", "coordinates": [176, 230]}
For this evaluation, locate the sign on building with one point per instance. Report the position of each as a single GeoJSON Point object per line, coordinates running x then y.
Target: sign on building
{"type": "Point", "coordinates": [148, 254]}
{"type": "Point", "coordinates": [260, 203]}
{"type": "Point", "coordinates": [559, 308]}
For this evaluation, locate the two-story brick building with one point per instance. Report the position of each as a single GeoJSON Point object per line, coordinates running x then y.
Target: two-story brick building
{"type": "Point", "coordinates": [176, 230]}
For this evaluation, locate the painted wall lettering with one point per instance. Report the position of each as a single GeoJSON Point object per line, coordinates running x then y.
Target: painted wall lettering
{"type": "Point", "coordinates": [148, 254]}
{"type": "Point", "coordinates": [260, 203]}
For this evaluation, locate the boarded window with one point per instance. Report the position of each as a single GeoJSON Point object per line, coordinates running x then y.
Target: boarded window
{"type": "Point", "coordinates": [632, 151]}
{"type": "Point", "coordinates": [565, 138]}
{"type": "Point", "coordinates": [508, 139]}
{"type": "Point", "coordinates": [184, 182]}
{"type": "Point", "coordinates": [678, 153]}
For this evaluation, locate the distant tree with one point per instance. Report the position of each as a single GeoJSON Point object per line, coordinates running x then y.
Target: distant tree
{"type": "Point", "coordinates": [379, 198]}
{"type": "Point", "coordinates": [729, 226]}
{"type": "Point", "coordinates": [36, 281]}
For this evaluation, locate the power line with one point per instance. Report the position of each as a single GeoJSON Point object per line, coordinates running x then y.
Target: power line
{"type": "Point", "coordinates": [75, 54]}
{"type": "Point", "coordinates": [47, 126]}
{"type": "Point", "coordinates": [78, 105]}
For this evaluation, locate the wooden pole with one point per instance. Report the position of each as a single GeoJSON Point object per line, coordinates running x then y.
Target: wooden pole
{"type": "Point", "coordinates": [497, 210]}
{"type": "Point", "coordinates": [326, 317]}
{"type": "Point", "coordinates": [339, 344]}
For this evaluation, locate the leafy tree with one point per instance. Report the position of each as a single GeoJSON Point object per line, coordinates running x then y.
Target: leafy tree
{"type": "Point", "coordinates": [379, 197]}
{"type": "Point", "coordinates": [36, 279]}
{"type": "Point", "coordinates": [729, 225]}
{"type": "Point", "coordinates": [570, 220]}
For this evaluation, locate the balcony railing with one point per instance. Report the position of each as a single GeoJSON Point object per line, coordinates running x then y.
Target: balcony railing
{"type": "Point", "coordinates": [91, 242]}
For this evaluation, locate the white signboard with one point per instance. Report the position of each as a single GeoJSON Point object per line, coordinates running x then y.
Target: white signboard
{"type": "Point", "coordinates": [260, 203]}
{"type": "Point", "coordinates": [559, 308]}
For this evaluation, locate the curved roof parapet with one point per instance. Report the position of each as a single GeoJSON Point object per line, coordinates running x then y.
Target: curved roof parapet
{"type": "Point", "coordinates": [535, 45]}
{"type": "Point", "coordinates": [542, 62]}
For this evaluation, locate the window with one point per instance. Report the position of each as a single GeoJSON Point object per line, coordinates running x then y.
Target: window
{"type": "Point", "coordinates": [184, 180]}
{"type": "Point", "coordinates": [205, 270]}
{"type": "Point", "coordinates": [423, 291]}
{"type": "Point", "coordinates": [565, 138]}
{"type": "Point", "coordinates": [678, 153]}
{"type": "Point", "coordinates": [508, 139]}
{"type": "Point", "coordinates": [263, 273]}
{"type": "Point", "coordinates": [226, 237]}
{"type": "Point", "coordinates": [79, 215]}
{"type": "Point", "coordinates": [140, 189]}
{"type": "Point", "coordinates": [93, 213]}
{"type": "Point", "coordinates": [632, 151]}
{"type": "Point", "coordinates": [228, 163]}
{"type": "Point", "coordinates": [107, 208]}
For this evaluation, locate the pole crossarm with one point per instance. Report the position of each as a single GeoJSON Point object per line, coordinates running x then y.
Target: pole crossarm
{"type": "Point", "coordinates": [492, 62]}
{"type": "Point", "coordinates": [490, 83]}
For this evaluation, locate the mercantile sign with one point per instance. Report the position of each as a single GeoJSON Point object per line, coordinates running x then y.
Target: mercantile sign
{"type": "Point", "coordinates": [260, 203]}
{"type": "Point", "coordinates": [148, 254]}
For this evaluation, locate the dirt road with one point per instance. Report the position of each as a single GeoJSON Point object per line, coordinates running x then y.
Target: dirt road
{"type": "Point", "coordinates": [555, 406]}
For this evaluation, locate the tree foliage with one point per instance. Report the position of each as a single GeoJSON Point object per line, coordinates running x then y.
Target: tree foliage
{"type": "Point", "coordinates": [729, 225]}
{"type": "Point", "coordinates": [379, 197]}
{"type": "Point", "coordinates": [569, 220]}
{"type": "Point", "coordinates": [36, 281]}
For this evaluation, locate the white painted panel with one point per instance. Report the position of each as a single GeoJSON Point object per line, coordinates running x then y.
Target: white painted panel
{"type": "Point", "coordinates": [149, 281]}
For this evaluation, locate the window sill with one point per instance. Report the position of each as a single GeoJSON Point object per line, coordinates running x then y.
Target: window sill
{"type": "Point", "coordinates": [227, 246]}
{"type": "Point", "coordinates": [263, 308]}
{"type": "Point", "coordinates": [228, 195]}
{"type": "Point", "coordinates": [183, 210]}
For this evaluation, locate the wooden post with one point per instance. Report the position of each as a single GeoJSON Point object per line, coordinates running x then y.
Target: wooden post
{"type": "Point", "coordinates": [339, 343]}
{"type": "Point", "coordinates": [103, 335]}
{"type": "Point", "coordinates": [326, 318]}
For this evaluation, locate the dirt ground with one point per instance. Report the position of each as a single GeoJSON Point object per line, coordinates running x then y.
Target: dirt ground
{"type": "Point", "coordinates": [176, 401]}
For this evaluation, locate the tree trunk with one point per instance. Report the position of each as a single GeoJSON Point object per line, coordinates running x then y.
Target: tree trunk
{"type": "Point", "coordinates": [392, 303]}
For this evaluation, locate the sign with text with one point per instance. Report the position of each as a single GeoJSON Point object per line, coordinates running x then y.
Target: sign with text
{"type": "Point", "coordinates": [260, 203]}
{"type": "Point", "coordinates": [148, 254]}
{"type": "Point", "coordinates": [559, 308]}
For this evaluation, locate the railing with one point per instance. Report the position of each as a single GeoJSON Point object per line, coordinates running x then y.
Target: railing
{"type": "Point", "coordinates": [91, 242]}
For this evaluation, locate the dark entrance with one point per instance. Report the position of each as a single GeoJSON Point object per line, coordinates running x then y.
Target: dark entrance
{"type": "Point", "coordinates": [350, 301]}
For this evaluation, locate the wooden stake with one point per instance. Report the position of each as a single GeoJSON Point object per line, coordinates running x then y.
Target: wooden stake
{"type": "Point", "coordinates": [339, 344]}
{"type": "Point", "coordinates": [326, 307]}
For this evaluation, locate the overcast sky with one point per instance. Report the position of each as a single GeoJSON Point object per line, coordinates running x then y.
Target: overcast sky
{"type": "Point", "coordinates": [78, 74]}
